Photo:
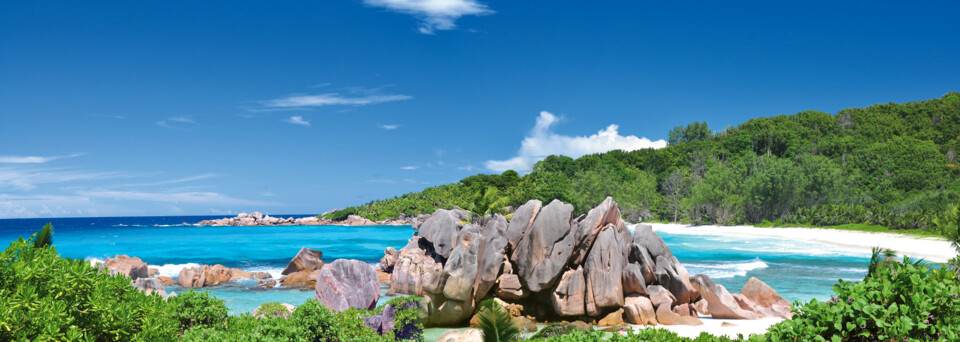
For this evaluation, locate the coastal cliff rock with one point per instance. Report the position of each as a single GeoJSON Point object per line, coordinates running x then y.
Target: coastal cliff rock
{"type": "Point", "coordinates": [259, 219]}
{"type": "Point", "coordinates": [150, 286]}
{"type": "Point", "coordinates": [207, 275]}
{"type": "Point", "coordinates": [347, 284]}
{"type": "Point", "coordinates": [303, 269]}
{"type": "Point", "coordinates": [560, 267]}
{"type": "Point", "coordinates": [131, 267]}
{"type": "Point", "coordinates": [720, 302]}
{"type": "Point", "coordinates": [541, 254]}
{"type": "Point", "coordinates": [306, 260]}
{"type": "Point", "coordinates": [766, 302]}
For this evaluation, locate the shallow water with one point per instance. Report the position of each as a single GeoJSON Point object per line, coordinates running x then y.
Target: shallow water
{"type": "Point", "coordinates": [799, 271]}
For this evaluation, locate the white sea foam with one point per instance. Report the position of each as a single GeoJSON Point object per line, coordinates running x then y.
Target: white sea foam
{"type": "Point", "coordinates": [172, 270]}
{"type": "Point", "coordinates": [274, 271]}
{"type": "Point", "coordinates": [94, 261]}
{"type": "Point", "coordinates": [726, 270]}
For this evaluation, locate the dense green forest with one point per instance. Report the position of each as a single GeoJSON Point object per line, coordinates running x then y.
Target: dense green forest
{"type": "Point", "coordinates": [893, 165]}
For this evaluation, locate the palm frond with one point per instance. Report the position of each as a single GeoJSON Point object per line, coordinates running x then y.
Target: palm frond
{"type": "Point", "coordinates": [495, 323]}
{"type": "Point", "coordinates": [878, 257]}
{"type": "Point", "coordinates": [44, 238]}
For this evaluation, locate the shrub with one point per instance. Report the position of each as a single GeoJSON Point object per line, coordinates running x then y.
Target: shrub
{"type": "Point", "coordinates": [194, 308]}
{"type": "Point", "coordinates": [46, 297]}
{"type": "Point", "coordinates": [902, 301]}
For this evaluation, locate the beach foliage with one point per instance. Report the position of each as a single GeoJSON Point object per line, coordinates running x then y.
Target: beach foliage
{"type": "Point", "coordinates": [900, 301]}
{"type": "Point", "coordinates": [887, 165]}
{"type": "Point", "coordinates": [495, 323]}
{"type": "Point", "coordinates": [45, 297]}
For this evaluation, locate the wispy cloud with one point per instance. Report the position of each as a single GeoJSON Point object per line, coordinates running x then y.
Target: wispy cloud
{"type": "Point", "coordinates": [118, 117]}
{"type": "Point", "coordinates": [330, 99]}
{"type": "Point", "coordinates": [411, 167]}
{"type": "Point", "coordinates": [298, 120]}
{"type": "Point", "coordinates": [542, 142]}
{"type": "Point", "coordinates": [34, 159]}
{"type": "Point", "coordinates": [176, 122]}
{"type": "Point", "coordinates": [26, 179]}
{"type": "Point", "coordinates": [186, 179]}
{"type": "Point", "coordinates": [381, 181]}
{"type": "Point", "coordinates": [434, 14]}
{"type": "Point", "coordinates": [170, 197]}
{"type": "Point", "coordinates": [389, 127]}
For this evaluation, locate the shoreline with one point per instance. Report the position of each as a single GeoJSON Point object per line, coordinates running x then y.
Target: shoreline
{"type": "Point", "coordinates": [928, 248]}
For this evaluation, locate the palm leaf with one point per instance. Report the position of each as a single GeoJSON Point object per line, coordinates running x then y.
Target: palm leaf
{"type": "Point", "coordinates": [495, 323]}
{"type": "Point", "coordinates": [878, 257]}
{"type": "Point", "coordinates": [44, 238]}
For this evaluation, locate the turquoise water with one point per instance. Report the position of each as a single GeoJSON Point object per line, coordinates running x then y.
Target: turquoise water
{"type": "Point", "coordinates": [799, 271]}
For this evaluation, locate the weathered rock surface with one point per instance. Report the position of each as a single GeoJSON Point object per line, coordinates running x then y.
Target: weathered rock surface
{"type": "Point", "coordinates": [767, 303]}
{"type": "Point", "coordinates": [347, 284]}
{"type": "Point", "coordinates": [306, 260]}
{"type": "Point", "coordinates": [603, 272]}
{"type": "Point", "coordinates": [150, 286]}
{"type": "Point", "coordinates": [305, 279]}
{"type": "Point", "coordinates": [258, 219]}
{"type": "Point", "coordinates": [383, 323]}
{"type": "Point", "coordinates": [587, 267]}
{"type": "Point", "coordinates": [442, 230]}
{"type": "Point", "coordinates": [720, 302]}
{"type": "Point", "coordinates": [509, 288]}
{"type": "Point", "coordinates": [207, 275]}
{"type": "Point", "coordinates": [639, 310]}
{"type": "Point", "coordinates": [545, 250]}
{"type": "Point", "coordinates": [131, 267]}
{"type": "Point", "coordinates": [567, 298]}
{"type": "Point", "coordinates": [521, 222]}
{"type": "Point", "coordinates": [166, 281]}
{"type": "Point", "coordinates": [612, 319]}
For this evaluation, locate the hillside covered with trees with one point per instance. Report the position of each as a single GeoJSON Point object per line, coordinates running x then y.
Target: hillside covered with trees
{"type": "Point", "coordinates": [893, 165]}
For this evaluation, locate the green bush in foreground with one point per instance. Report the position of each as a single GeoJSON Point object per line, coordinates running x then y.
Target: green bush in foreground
{"type": "Point", "coordinates": [902, 302]}
{"type": "Point", "coordinates": [44, 297]}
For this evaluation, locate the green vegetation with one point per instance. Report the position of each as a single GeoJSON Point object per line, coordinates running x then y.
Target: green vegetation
{"type": "Point", "coordinates": [888, 165]}
{"type": "Point", "coordinates": [495, 323]}
{"type": "Point", "coordinates": [44, 297]}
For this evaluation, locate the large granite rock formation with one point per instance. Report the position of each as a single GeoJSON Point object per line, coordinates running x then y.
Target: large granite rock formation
{"type": "Point", "coordinates": [347, 284]}
{"type": "Point", "coordinates": [258, 219]}
{"type": "Point", "coordinates": [206, 275]}
{"type": "Point", "coordinates": [559, 267]}
{"type": "Point", "coordinates": [303, 269]}
{"type": "Point", "coordinates": [131, 267]}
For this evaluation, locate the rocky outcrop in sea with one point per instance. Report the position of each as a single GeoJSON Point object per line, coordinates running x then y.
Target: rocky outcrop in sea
{"type": "Point", "coordinates": [560, 267]}
{"type": "Point", "coordinates": [259, 219]}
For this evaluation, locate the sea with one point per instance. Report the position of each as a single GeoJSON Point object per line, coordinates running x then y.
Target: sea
{"type": "Point", "coordinates": [798, 271]}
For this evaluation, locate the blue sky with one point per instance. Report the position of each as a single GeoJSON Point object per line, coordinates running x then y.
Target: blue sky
{"type": "Point", "coordinates": [218, 107]}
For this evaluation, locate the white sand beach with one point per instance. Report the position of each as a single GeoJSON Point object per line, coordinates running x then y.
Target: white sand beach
{"type": "Point", "coordinates": [931, 249]}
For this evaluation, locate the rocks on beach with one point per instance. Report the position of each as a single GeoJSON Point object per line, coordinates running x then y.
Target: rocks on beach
{"type": "Point", "coordinates": [259, 219]}
{"type": "Point", "coordinates": [560, 267]}
{"type": "Point", "coordinates": [206, 275]}
{"type": "Point", "coordinates": [347, 284]}
{"type": "Point", "coordinates": [303, 269]}
{"type": "Point", "coordinates": [131, 267]}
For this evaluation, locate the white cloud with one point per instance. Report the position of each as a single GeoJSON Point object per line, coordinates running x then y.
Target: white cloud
{"type": "Point", "coordinates": [176, 122]}
{"type": "Point", "coordinates": [298, 120]}
{"type": "Point", "coordinates": [34, 159]}
{"type": "Point", "coordinates": [381, 181]}
{"type": "Point", "coordinates": [330, 99]}
{"type": "Point", "coordinates": [26, 179]}
{"type": "Point", "coordinates": [542, 142]}
{"type": "Point", "coordinates": [434, 14]}
{"type": "Point", "coordinates": [408, 167]}
{"type": "Point", "coordinates": [389, 127]}
{"type": "Point", "coordinates": [170, 197]}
